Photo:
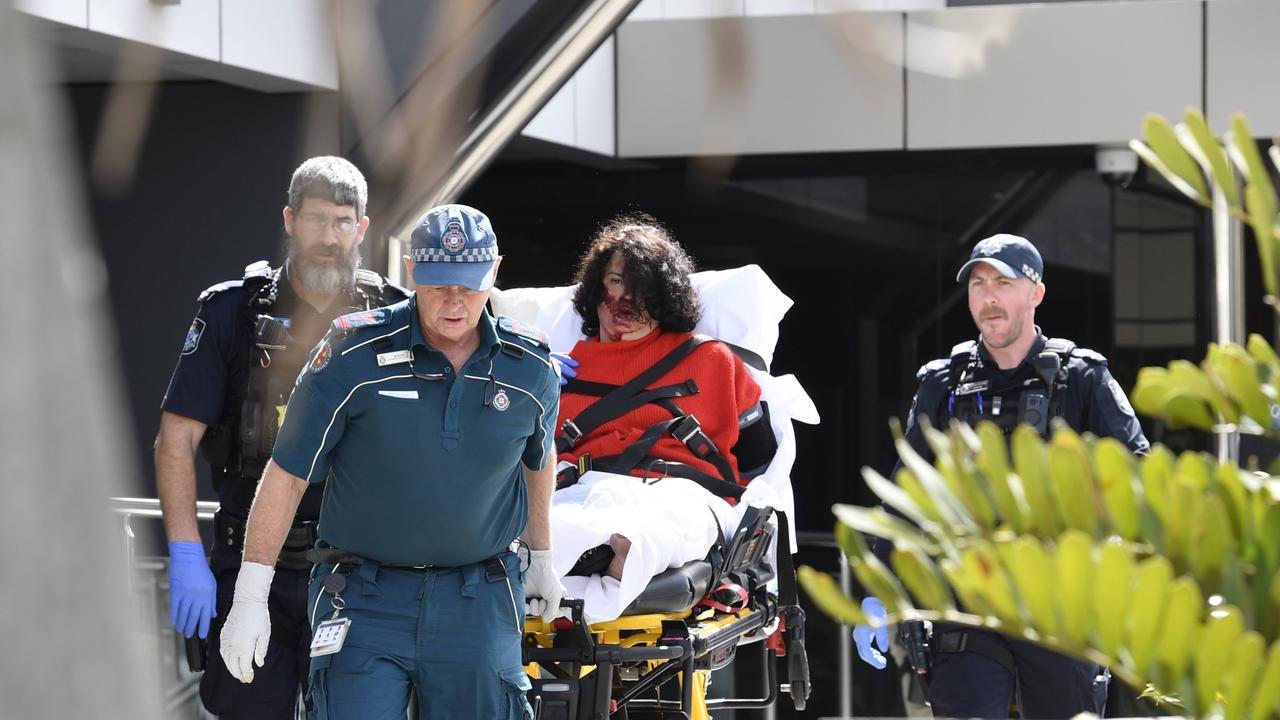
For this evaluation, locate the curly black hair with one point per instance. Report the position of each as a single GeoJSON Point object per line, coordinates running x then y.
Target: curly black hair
{"type": "Point", "coordinates": [655, 272]}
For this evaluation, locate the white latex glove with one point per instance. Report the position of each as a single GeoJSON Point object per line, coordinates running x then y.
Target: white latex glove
{"type": "Point", "coordinates": [248, 627]}
{"type": "Point", "coordinates": [542, 587]}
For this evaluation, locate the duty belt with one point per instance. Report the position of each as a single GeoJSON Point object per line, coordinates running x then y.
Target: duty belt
{"type": "Point", "coordinates": [495, 569]}
{"type": "Point", "coordinates": [229, 533]}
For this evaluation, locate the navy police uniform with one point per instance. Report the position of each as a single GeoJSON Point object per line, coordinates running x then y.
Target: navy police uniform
{"type": "Point", "coordinates": [242, 353]}
{"type": "Point", "coordinates": [974, 673]}
{"type": "Point", "coordinates": [424, 498]}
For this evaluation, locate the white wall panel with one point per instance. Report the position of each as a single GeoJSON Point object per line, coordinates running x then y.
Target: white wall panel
{"type": "Point", "coordinates": [678, 9]}
{"type": "Point", "coordinates": [68, 12]}
{"type": "Point", "coordinates": [555, 122]}
{"type": "Point", "coordinates": [189, 27]}
{"type": "Point", "coordinates": [1048, 74]}
{"type": "Point", "coordinates": [581, 114]}
{"type": "Point", "coordinates": [1242, 60]}
{"type": "Point", "coordinates": [757, 8]}
{"type": "Point", "coordinates": [804, 86]}
{"type": "Point", "coordinates": [290, 39]}
{"type": "Point", "coordinates": [595, 102]}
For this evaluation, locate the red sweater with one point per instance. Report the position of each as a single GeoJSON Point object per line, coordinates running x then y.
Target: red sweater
{"type": "Point", "coordinates": [725, 391]}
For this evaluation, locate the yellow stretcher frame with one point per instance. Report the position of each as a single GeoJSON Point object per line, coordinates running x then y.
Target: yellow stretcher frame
{"type": "Point", "coordinates": [581, 671]}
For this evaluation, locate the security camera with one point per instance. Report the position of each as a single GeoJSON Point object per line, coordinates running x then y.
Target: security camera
{"type": "Point", "coordinates": [1117, 164]}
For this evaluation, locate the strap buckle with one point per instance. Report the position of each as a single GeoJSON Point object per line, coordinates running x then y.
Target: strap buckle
{"type": "Point", "coordinates": [689, 431]}
{"type": "Point", "coordinates": [570, 432]}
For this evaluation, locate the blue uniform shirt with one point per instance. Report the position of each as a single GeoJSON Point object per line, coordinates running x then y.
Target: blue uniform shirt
{"type": "Point", "coordinates": [1094, 401]}
{"type": "Point", "coordinates": [423, 467]}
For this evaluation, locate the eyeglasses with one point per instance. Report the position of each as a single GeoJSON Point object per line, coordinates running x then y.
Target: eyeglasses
{"type": "Point", "coordinates": [344, 227]}
{"type": "Point", "coordinates": [421, 375]}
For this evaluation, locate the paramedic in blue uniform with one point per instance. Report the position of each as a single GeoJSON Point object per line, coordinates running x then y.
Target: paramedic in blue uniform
{"type": "Point", "coordinates": [242, 353]}
{"type": "Point", "coordinates": [432, 424]}
{"type": "Point", "coordinates": [1012, 374]}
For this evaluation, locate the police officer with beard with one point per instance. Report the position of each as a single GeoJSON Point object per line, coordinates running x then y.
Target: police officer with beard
{"type": "Point", "coordinates": [247, 344]}
{"type": "Point", "coordinates": [1010, 375]}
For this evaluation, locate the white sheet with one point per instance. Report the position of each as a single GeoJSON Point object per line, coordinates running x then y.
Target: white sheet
{"type": "Point", "coordinates": [669, 523]}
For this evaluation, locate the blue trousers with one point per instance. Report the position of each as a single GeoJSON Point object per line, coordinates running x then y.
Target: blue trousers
{"type": "Point", "coordinates": [1045, 684]}
{"type": "Point", "coordinates": [452, 635]}
{"type": "Point", "coordinates": [273, 694]}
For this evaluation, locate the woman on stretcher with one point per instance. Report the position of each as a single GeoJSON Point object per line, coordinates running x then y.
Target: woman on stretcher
{"type": "Point", "coordinates": [644, 396]}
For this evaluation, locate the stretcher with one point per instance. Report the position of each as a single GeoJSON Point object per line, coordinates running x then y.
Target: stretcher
{"type": "Point", "coordinates": [689, 621]}
{"type": "Point", "coordinates": [652, 655]}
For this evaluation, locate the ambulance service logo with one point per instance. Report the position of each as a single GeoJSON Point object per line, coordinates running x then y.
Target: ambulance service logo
{"type": "Point", "coordinates": [501, 401]}
{"type": "Point", "coordinates": [454, 240]}
{"type": "Point", "coordinates": [320, 360]}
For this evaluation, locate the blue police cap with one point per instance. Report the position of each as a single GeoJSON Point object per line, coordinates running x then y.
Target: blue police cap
{"type": "Point", "coordinates": [1013, 256]}
{"type": "Point", "coordinates": [454, 245]}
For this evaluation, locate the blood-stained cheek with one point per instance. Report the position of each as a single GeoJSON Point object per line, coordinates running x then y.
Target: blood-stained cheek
{"type": "Point", "coordinates": [623, 309]}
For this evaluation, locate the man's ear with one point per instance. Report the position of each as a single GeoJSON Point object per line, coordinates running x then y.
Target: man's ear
{"type": "Point", "coordinates": [408, 271]}
{"type": "Point", "coordinates": [1037, 295]}
{"type": "Point", "coordinates": [363, 226]}
{"type": "Point", "coordinates": [288, 220]}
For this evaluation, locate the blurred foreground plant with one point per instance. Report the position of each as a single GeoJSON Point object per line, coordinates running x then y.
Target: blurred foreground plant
{"type": "Point", "coordinates": [1164, 568]}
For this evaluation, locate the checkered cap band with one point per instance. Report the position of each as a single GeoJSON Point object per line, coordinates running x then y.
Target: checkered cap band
{"type": "Point", "coordinates": [470, 255]}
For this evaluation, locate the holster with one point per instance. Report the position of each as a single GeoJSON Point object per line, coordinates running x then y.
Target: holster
{"type": "Point", "coordinates": [229, 533]}
{"type": "Point", "coordinates": [916, 637]}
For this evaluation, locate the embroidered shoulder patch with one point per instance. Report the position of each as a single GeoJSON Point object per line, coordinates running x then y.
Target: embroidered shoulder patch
{"type": "Point", "coordinates": [524, 331]}
{"type": "Point", "coordinates": [193, 337]}
{"type": "Point", "coordinates": [364, 318]}
{"type": "Point", "coordinates": [324, 353]}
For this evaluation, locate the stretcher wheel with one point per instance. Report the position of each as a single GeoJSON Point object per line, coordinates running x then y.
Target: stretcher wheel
{"type": "Point", "coordinates": [798, 676]}
{"type": "Point", "coordinates": [797, 660]}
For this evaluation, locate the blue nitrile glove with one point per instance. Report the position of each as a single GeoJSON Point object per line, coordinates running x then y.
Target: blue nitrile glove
{"type": "Point", "coordinates": [193, 593]}
{"type": "Point", "coordinates": [564, 366]}
{"type": "Point", "coordinates": [863, 635]}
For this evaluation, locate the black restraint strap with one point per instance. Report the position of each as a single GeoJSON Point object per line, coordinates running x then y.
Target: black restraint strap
{"type": "Point", "coordinates": [788, 591]}
{"type": "Point", "coordinates": [635, 456]}
{"type": "Point", "coordinates": [624, 399]}
{"type": "Point", "coordinates": [750, 358]}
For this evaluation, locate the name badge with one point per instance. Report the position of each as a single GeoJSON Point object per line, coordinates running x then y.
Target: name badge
{"type": "Point", "coordinates": [329, 636]}
{"type": "Point", "coordinates": [394, 357]}
{"type": "Point", "coordinates": [970, 388]}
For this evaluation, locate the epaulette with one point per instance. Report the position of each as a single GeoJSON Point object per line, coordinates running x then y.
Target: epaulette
{"type": "Point", "coordinates": [1089, 355]}
{"type": "Point", "coordinates": [254, 272]}
{"type": "Point", "coordinates": [370, 278]}
{"type": "Point", "coordinates": [259, 269]}
{"type": "Point", "coordinates": [220, 287]}
{"type": "Point", "coordinates": [526, 332]}
{"type": "Point", "coordinates": [933, 366]}
{"type": "Point", "coordinates": [364, 318]}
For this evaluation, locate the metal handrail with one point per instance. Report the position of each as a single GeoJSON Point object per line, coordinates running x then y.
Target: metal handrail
{"type": "Point", "coordinates": [128, 508]}
{"type": "Point", "coordinates": [828, 540]}
{"type": "Point", "coordinates": [150, 507]}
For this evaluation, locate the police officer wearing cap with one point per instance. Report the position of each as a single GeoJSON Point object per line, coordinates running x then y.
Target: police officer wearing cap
{"type": "Point", "coordinates": [432, 424]}
{"type": "Point", "coordinates": [1011, 374]}
{"type": "Point", "coordinates": [242, 353]}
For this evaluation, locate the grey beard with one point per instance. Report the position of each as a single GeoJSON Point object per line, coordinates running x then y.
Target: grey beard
{"type": "Point", "coordinates": [322, 277]}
